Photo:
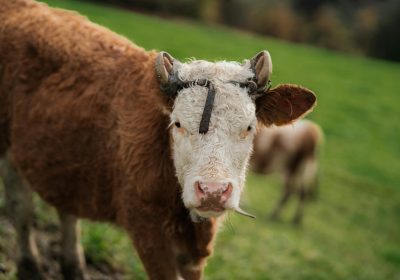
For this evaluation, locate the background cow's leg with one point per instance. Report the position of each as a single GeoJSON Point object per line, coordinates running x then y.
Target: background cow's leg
{"type": "Point", "coordinates": [312, 189]}
{"type": "Point", "coordinates": [72, 256]}
{"type": "Point", "coordinates": [286, 193]}
{"type": "Point", "coordinates": [307, 181]}
{"type": "Point", "coordinates": [20, 209]}
{"type": "Point", "coordinates": [300, 207]}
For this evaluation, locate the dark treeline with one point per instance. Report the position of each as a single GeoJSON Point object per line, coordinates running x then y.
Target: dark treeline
{"type": "Point", "coordinates": [369, 27]}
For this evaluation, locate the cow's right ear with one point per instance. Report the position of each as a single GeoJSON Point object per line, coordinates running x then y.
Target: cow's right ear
{"type": "Point", "coordinates": [284, 104]}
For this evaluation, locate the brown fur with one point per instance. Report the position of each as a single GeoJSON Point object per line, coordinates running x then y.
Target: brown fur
{"type": "Point", "coordinates": [284, 103]}
{"type": "Point", "coordinates": [81, 113]}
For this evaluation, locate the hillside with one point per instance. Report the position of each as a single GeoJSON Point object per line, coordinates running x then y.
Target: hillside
{"type": "Point", "coordinates": [352, 231]}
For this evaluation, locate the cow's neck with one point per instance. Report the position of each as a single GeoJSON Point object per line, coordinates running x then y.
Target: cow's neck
{"type": "Point", "coordinates": [144, 153]}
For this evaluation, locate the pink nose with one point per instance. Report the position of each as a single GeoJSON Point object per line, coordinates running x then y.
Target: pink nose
{"type": "Point", "coordinates": [218, 193]}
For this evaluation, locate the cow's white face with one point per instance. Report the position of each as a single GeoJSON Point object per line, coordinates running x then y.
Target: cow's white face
{"type": "Point", "coordinates": [216, 160]}
{"type": "Point", "coordinates": [211, 167]}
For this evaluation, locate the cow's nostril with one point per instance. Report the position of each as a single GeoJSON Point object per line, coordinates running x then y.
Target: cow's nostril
{"type": "Point", "coordinates": [228, 189]}
{"type": "Point", "coordinates": [198, 187]}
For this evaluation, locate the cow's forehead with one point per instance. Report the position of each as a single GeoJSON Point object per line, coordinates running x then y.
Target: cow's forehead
{"type": "Point", "coordinates": [221, 70]}
{"type": "Point", "coordinates": [233, 109]}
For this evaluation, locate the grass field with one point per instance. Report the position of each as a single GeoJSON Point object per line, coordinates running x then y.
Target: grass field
{"type": "Point", "coordinates": [353, 230]}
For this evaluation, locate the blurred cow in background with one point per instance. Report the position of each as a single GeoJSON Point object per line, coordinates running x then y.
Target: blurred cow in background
{"type": "Point", "coordinates": [292, 151]}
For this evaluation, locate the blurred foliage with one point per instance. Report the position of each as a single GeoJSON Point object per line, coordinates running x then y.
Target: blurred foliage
{"type": "Point", "coordinates": [368, 27]}
{"type": "Point", "coordinates": [386, 39]}
{"type": "Point", "coordinates": [279, 22]}
{"type": "Point", "coordinates": [329, 31]}
{"type": "Point", "coordinates": [180, 7]}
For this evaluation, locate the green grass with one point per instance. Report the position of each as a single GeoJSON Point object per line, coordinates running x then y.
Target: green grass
{"type": "Point", "coordinates": [353, 231]}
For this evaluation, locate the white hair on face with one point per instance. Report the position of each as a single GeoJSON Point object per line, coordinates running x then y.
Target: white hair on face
{"type": "Point", "coordinates": [220, 70]}
{"type": "Point", "coordinates": [221, 155]}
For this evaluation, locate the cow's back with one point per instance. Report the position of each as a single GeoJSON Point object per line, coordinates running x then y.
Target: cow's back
{"type": "Point", "coordinates": [282, 148]}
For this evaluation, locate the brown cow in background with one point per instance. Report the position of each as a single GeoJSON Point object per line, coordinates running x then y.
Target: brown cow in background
{"type": "Point", "coordinates": [290, 150]}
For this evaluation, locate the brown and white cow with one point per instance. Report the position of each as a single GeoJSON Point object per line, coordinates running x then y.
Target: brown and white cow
{"type": "Point", "coordinates": [105, 130]}
{"type": "Point", "coordinates": [290, 150]}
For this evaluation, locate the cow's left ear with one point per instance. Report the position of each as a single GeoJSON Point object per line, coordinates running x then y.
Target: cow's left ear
{"type": "Point", "coordinates": [284, 104]}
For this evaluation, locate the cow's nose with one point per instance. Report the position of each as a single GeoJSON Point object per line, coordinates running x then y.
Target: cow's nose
{"type": "Point", "coordinates": [218, 192]}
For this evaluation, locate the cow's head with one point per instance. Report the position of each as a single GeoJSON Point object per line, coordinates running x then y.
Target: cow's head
{"type": "Point", "coordinates": [216, 107]}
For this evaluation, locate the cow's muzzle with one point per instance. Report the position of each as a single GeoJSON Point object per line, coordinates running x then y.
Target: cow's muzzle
{"type": "Point", "coordinates": [212, 195]}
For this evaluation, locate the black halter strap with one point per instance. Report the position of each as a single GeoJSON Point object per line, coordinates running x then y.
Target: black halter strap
{"type": "Point", "coordinates": [206, 116]}
{"type": "Point", "coordinates": [208, 106]}
{"type": "Point", "coordinates": [176, 85]}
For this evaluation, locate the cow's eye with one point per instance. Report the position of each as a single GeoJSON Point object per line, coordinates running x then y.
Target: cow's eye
{"type": "Point", "coordinates": [180, 129]}
{"type": "Point", "coordinates": [246, 132]}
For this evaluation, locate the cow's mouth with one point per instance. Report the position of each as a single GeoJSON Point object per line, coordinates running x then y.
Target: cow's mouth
{"type": "Point", "coordinates": [203, 213]}
{"type": "Point", "coordinates": [210, 208]}
{"type": "Point", "coordinates": [200, 214]}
